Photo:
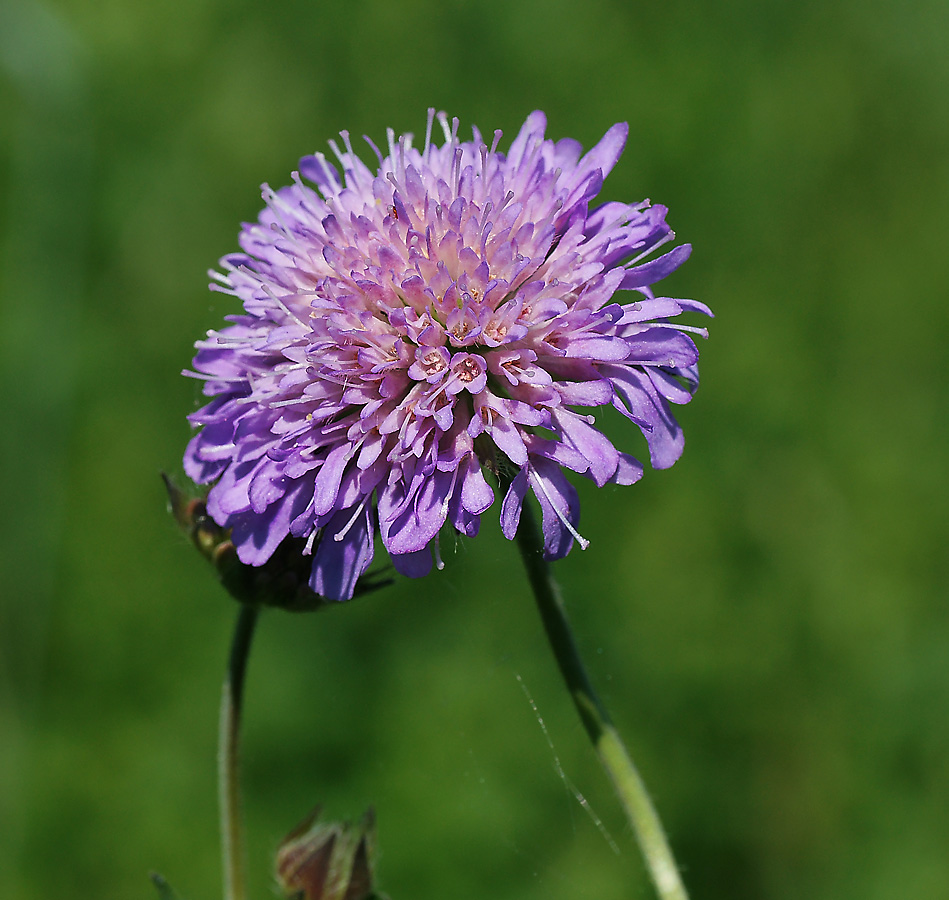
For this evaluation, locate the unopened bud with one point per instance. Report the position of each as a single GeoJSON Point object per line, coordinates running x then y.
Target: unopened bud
{"type": "Point", "coordinates": [328, 860]}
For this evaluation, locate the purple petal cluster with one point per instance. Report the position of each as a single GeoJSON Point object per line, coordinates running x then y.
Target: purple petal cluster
{"type": "Point", "coordinates": [406, 328]}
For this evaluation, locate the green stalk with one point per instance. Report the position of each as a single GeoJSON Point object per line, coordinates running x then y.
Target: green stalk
{"type": "Point", "coordinates": [606, 740]}
{"type": "Point", "coordinates": [232, 832]}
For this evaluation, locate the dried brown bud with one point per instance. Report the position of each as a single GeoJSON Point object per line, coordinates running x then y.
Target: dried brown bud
{"type": "Point", "coordinates": [328, 860]}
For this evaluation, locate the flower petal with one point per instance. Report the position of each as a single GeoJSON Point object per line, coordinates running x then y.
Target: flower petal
{"type": "Point", "coordinates": [342, 554]}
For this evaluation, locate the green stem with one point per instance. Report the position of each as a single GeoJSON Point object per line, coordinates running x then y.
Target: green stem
{"type": "Point", "coordinates": [606, 740]}
{"type": "Point", "coordinates": [232, 835]}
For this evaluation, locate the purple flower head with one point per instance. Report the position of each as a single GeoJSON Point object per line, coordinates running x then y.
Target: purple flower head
{"type": "Point", "coordinates": [407, 327]}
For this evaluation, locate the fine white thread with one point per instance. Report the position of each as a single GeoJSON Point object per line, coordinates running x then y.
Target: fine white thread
{"type": "Point", "coordinates": [568, 784]}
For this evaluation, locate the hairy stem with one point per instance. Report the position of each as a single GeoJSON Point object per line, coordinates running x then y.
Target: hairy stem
{"type": "Point", "coordinates": [232, 832]}
{"type": "Point", "coordinates": [606, 740]}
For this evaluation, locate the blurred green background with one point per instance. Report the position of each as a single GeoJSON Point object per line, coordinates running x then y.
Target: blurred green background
{"type": "Point", "coordinates": [768, 620]}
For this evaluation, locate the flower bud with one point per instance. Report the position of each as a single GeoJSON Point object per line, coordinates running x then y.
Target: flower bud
{"type": "Point", "coordinates": [328, 860]}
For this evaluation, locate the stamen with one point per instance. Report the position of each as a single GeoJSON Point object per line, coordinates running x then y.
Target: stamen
{"type": "Point", "coordinates": [216, 341]}
{"type": "Point", "coordinates": [701, 332]}
{"type": "Point", "coordinates": [428, 131]}
{"type": "Point", "coordinates": [390, 140]}
{"type": "Point", "coordinates": [340, 535]}
{"type": "Point", "coordinates": [537, 480]}
{"type": "Point", "coordinates": [348, 144]}
{"type": "Point", "coordinates": [279, 206]}
{"type": "Point", "coordinates": [456, 169]}
{"type": "Point", "coordinates": [497, 140]}
{"type": "Point", "coordinates": [270, 293]}
{"type": "Point", "coordinates": [203, 376]}
{"type": "Point", "coordinates": [305, 199]}
{"type": "Point", "coordinates": [331, 180]}
{"type": "Point", "coordinates": [276, 404]}
{"type": "Point", "coordinates": [276, 205]}
{"type": "Point", "coordinates": [443, 121]}
{"type": "Point", "coordinates": [339, 154]}
{"type": "Point", "coordinates": [663, 240]}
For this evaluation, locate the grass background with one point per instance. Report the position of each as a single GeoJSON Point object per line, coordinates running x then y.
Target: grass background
{"type": "Point", "coordinates": [768, 620]}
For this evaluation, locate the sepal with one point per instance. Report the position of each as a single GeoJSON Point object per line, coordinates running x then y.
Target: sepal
{"type": "Point", "coordinates": [328, 860]}
{"type": "Point", "coordinates": [282, 581]}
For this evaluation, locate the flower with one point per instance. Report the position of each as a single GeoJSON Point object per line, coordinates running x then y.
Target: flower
{"type": "Point", "coordinates": [404, 329]}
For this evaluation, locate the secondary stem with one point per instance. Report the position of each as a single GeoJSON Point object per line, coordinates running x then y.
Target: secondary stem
{"type": "Point", "coordinates": [606, 740]}
{"type": "Point", "coordinates": [232, 833]}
